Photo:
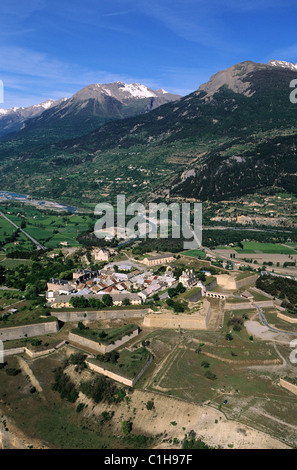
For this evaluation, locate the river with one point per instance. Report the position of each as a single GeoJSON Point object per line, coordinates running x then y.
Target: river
{"type": "Point", "coordinates": [51, 205]}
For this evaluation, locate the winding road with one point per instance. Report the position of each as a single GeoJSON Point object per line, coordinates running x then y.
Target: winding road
{"type": "Point", "coordinates": [264, 321]}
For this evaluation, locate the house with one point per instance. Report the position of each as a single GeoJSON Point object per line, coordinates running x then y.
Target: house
{"type": "Point", "coordinates": [102, 255]}
{"type": "Point", "coordinates": [124, 267]}
{"type": "Point", "coordinates": [160, 259]}
{"type": "Point", "coordinates": [188, 278]}
{"type": "Point", "coordinates": [64, 301]}
{"type": "Point", "coordinates": [82, 275]}
{"type": "Point", "coordinates": [59, 285]}
{"type": "Point", "coordinates": [247, 295]}
{"type": "Point", "coordinates": [119, 298]}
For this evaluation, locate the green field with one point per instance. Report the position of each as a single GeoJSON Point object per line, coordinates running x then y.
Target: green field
{"type": "Point", "coordinates": [46, 227]}
{"type": "Point", "coordinates": [194, 254]}
{"type": "Point", "coordinates": [269, 248]}
{"type": "Point", "coordinates": [12, 263]}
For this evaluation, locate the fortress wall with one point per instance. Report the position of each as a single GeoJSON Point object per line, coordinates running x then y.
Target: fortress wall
{"type": "Point", "coordinates": [109, 374]}
{"type": "Point", "coordinates": [265, 303]}
{"type": "Point", "coordinates": [38, 329]}
{"type": "Point", "coordinates": [119, 378]}
{"type": "Point", "coordinates": [230, 283]}
{"type": "Point", "coordinates": [44, 352]}
{"type": "Point", "coordinates": [286, 318]}
{"type": "Point", "coordinates": [11, 352]}
{"type": "Point", "coordinates": [100, 315]}
{"type": "Point", "coordinates": [248, 281]}
{"type": "Point", "coordinates": [292, 388]}
{"type": "Point", "coordinates": [248, 305]}
{"type": "Point", "coordinates": [195, 297]}
{"type": "Point", "coordinates": [99, 347]}
{"type": "Point", "coordinates": [237, 306]}
{"type": "Point", "coordinates": [212, 285]}
{"type": "Point", "coordinates": [226, 281]}
{"type": "Point", "coordinates": [174, 322]}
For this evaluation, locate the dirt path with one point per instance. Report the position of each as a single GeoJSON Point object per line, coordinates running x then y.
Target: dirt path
{"type": "Point", "coordinates": [277, 420]}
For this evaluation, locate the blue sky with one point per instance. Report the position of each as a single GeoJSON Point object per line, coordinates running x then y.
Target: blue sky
{"type": "Point", "coordinates": [52, 48]}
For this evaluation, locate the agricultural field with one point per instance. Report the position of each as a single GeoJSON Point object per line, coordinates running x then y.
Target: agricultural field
{"type": "Point", "coordinates": [11, 263]}
{"type": "Point", "coordinates": [268, 248]}
{"type": "Point", "coordinates": [48, 228]}
{"type": "Point", "coordinates": [195, 254]}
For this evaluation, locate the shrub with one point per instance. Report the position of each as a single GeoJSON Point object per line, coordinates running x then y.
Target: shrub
{"type": "Point", "coordinates": [205, 364]}
{"type": "Point", "coordinates": [126, 427]}
{"type": "Point", "coordinates": [210, 375]}
{"type": "Point", "coordinates": [13, 372]}
{"type": "Point", "coordinates": [80, 407]}
{"type": "Point", "coordinates": [64, 386]}
{"type": "Point", "coordinates": [150, 405]}
{"type": "Point", "coordinates": [237, 328]}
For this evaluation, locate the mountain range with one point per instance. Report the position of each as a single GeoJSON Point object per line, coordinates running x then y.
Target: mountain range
{"type": "Point", "coordinates": [235, 135]}
{"type": "Point", "coordinates": [14, 119]}
{"type": "Point", "coordinates": [86, 110]}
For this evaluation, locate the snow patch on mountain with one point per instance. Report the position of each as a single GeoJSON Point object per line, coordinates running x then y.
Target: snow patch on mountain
{"type": "Point", "coordinates": [283, 64]}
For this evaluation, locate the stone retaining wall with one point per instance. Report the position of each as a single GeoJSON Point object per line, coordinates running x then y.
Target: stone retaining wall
{"type": "Point", "coordinates": [13, 351]}
{"type": "Point", "coordinates": [187, 322]}
{"type": "Point", "coordinates": [27, 331]}
{"type": "Point", "coordinates": [292, 388]}
{"type": "Point", "coordinates": [247, 305]}
{"type": "Point", "coordinates": [119, 378]}
{"type": "Point", "coordinates": [237, 306]}
{"type": "Point", "coordinates": [99, 347]}
{"type": "Point", "coordinates": [100, 315]}
{"type": "Point", "coordinates": [286, 318]}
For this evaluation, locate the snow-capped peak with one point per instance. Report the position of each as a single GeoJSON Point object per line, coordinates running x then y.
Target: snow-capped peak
{"type": "Point", "coordinates": [138, 91]}
{"type": "Point", "coordinates": [45, 105]}
{"type": "Point", "coordinates": [121, 90]}
{"type": "Point", "coordinates": [283, 64]}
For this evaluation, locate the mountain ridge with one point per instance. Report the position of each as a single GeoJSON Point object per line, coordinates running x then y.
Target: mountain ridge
{"type": "Point", "coordinates": [87, 109]}
{"type": "Point", "coordinates": [210, 144]}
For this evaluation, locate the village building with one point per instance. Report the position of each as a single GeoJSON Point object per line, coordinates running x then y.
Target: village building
{"type": "Point", "coordinates": [60, 286]}
{"type": "Point", "coordinates": [188, 278]}
{"type": "Point", "coordinates": [64, 301]}
{"type": "Point", "coordinates": [102, 255]}
{"type": "Point", "coordinates": [160, 259]}
{"type": "Point", "coordinates": [247, 295]}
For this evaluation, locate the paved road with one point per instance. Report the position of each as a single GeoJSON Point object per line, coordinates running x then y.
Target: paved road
{"type": "Point", "coordinates": [39, 246]}
{"type": "Point", "coordinates": [264, 321]}
{"type": "Point", "coordinates": [246, 229]}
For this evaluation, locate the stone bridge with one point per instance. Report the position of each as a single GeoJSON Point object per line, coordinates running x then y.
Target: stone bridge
{"type": "Point", "coordinates": [216, 295]}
